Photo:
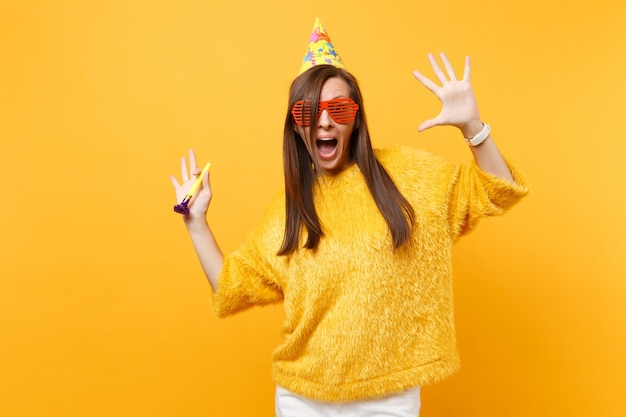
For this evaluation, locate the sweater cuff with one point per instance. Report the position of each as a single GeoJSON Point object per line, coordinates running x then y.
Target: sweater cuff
{"type": "Point", "coordinates": [503, 193]}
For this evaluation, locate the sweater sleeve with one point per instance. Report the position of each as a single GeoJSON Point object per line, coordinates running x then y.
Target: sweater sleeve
{"type": "Point", "coordinates": [476, 193]}
{"type": "Point", "coordinates": [249, 276]}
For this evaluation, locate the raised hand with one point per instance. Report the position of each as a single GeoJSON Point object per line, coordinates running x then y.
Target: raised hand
{"type": "Point", "coordinates": [459, 107]}
{"type": "Point", "coordinates": [200, 202]}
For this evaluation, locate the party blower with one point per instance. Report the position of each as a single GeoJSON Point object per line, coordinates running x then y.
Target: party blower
{"type": "Point", "coordinates": [183, 208]}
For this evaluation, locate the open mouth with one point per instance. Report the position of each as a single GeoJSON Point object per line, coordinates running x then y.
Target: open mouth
{"type": "Point", "coordinates": [326, 146]}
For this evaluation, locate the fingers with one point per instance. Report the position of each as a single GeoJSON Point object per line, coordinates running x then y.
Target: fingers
{"type": "Point", "coordinates": [183, 169]}
{"type": "Point", "coordinates": [468, 70]}
{"type": "Point", "coordinates": [192, 160]}
{"type": "Point", "coordinates": [448, 66]}
{"type": "Point", "coordinates": [437, 69]}
{"type": "Point", "coordinates": [205, 180]}
{"type": "Point", "coordinates": [425, 81]}
{"type": "Point", "coordinates": [193, 166]}
{"type": "Point", "coordinates": [428, 124]}
{"type": "Point", "coordinates": [185, 172]}
{"type": "Point", "coordinates": [175, 182]}
{"type": "Point", "coordinates": [441, 76]}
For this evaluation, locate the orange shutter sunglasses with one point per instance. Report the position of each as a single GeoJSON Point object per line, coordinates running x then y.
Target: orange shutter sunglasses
{"type": "Point", "coordinates": [342, 110]}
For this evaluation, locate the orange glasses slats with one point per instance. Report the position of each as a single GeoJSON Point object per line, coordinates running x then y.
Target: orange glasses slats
{"type": "Point", "coordinates": [342, 110]}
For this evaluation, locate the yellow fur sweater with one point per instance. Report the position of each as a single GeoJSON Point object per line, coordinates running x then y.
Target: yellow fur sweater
{"type": "Point", "coordinates": [363, 320]}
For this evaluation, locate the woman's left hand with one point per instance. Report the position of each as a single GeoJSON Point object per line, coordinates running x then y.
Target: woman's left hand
{"type": "Point", "coordinates": [459, 107]}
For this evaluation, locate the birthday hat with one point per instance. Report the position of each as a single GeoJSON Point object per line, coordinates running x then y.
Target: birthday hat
{"type": "Point", "coordinates": [320, 50]}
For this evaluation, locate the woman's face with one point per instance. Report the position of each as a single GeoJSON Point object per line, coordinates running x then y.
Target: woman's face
{"type": "Point", "coordinates": [331, 144]}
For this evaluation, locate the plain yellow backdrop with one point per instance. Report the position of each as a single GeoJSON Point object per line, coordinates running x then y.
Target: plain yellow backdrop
{"type": "Point", "coordinates": [104, 310]}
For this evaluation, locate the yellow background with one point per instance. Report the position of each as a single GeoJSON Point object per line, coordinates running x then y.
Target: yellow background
{"type": "Point", "coordinates": [104, 310]}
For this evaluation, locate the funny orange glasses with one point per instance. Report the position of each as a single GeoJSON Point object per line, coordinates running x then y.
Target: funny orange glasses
{"type": "Point", "coordinates": [342, 110]}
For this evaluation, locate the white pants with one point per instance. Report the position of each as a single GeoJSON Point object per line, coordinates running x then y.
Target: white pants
{"type": "Point", "coordinates": [406, 404]}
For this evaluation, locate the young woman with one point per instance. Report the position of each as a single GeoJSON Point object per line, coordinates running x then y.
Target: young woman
{"type": "Point", "coordinates": [358, 247]}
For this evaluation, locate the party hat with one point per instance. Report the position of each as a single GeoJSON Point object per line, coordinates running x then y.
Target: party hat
{"type": "Point", "coordinates": [320, 50]}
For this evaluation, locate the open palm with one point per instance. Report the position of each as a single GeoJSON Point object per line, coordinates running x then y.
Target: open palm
{"type": "Point", "coordinates": [202, 198]}
{"type": "Point", "coordinates": [459, 107]}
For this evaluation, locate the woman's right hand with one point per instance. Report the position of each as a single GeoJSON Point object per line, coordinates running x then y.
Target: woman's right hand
{"type": "Point", "coordinates": [199, 204]}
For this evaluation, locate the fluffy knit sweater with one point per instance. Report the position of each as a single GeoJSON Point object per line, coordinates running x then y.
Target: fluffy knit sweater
{"type": "Point", "coordinates": [364, 320]}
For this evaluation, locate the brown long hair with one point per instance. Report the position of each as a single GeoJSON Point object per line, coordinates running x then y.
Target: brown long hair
{"type": "Point", "coordinates": [300, 177]}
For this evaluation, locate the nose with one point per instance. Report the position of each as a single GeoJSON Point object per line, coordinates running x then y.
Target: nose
{"type": "Point", "coordinates": [324, 121]}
